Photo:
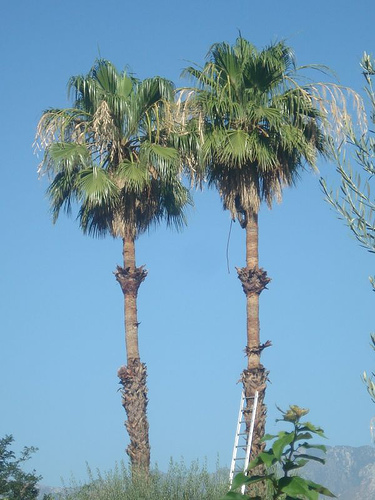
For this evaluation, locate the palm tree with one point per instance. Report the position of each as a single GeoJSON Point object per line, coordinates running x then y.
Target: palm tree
{"type": "Point", "coordinates": [110, 155]}
{"type": "Point", "coordinates": [259, 128]}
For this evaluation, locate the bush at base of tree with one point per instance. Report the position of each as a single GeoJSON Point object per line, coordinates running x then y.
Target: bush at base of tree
{"type": "Point", "coordinates": [180, 482]}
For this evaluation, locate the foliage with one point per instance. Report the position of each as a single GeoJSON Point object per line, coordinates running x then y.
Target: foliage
{"type": "Point", "coordinates": [179, 483]}
{"type": "Point", "coordinates": [259, 126]}
{"type": "Point", "coordinates": [355, 202]}
{"type": "Point", "coordinates": [288, 453]}
{"type": "Point", "coordinates": [369, 380]}
{"type": "Point", "coordinates": [112, 153]}
{"type": "Point", "coordinates": [16, 484]}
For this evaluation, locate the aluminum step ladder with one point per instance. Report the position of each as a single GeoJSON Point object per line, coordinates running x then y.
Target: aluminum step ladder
{"type": "Point", "coordinates": [243, 438]}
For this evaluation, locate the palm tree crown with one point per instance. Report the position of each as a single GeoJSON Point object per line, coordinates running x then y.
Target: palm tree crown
{"type": "Point", "coordinates": [111, 154]}
{"type": "Point", "coordinates": [260, 126]}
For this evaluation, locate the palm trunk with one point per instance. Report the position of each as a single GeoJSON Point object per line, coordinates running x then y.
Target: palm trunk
{"type": "Point", "coordinates": [133, 377]}
{"type": "Point", "coordinates": [254, 378]}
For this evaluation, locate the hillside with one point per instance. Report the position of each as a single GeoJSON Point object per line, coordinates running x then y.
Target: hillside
{"type": "Point", "coordinates": [349, 472]}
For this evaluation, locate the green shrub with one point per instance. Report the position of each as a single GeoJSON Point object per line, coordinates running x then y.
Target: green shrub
{"type": "Point", "coordinates": [15, 483]}
{"type": "Point", "coordinates": [178, 483]}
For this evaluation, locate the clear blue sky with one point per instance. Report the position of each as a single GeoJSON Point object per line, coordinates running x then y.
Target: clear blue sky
{"type": "Point", "coordinates": [62, 337]}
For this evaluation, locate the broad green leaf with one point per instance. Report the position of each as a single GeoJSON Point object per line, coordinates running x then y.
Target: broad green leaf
{"type": "Point", "coordinates": [307, 426]}
{"type": "Point", "coordinates": [238, 480]}
{"type": "Point", "coordinates": [279, 445]}
{"type": "Point", "coordinates": [267, 458]}
{"type": "Point", "coordinates": [297, 486]}
{"type": "Point", "coordinates": [303, 435]}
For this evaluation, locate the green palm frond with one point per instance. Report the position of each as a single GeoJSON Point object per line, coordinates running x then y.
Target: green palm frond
{"type": "Point", "coordinates": [96, 186]}
{"type": "Point", "coordinates": [176, 198]}
{"type": "Point", "coordinates": [69, 153]}
{"type": "Point", "coordinates": [133, 177]}
{"type": "Point", "coordinates": [203, 80]}
{"type": "Point", "coordinates": [63, 192]}
{"type": "Point", "coordinates": [162, 159]}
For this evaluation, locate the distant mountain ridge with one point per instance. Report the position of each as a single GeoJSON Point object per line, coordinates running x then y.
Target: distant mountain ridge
{"type": "Point", "coordinates": [348, 472]}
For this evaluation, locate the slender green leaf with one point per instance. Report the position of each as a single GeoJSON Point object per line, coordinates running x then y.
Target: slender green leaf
{"type": "Point", "coordinates": [320, 489]}
{"type": "Point", "coordinates": [312, 457]}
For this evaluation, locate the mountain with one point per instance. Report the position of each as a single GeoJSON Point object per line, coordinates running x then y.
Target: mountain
{"type": "Point", "coordinates": [348, 472]}
{"type": "Point", "coordinates": [47, 490]}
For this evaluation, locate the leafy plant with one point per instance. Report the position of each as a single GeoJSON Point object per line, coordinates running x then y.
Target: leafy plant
{"type": "Point", "coordinates": [369, 379]}
{"type": "Point", "coordinates": [288, 453]}
{"type": "Point", "coordinates": [16, 484]}
{"type": "Point", "coordinates": [180, 482]}
{"type": "Point", "coordinates": [355, 202]}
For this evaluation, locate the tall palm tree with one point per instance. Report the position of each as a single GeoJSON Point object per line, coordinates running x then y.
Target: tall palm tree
{"type": "Point", "coordinates": [110, 155]}
{"type": "Point", "coordinates": [260, 128]}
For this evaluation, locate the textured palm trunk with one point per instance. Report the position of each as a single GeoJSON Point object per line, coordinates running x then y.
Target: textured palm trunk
{"type": "Point", "coordinates": [133, 377]}
{"type": "Point", "coordinates": [254, 378]}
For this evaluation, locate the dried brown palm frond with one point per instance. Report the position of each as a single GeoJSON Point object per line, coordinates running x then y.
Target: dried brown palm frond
{"type": "Point", "coordinates": [341, 107]}
{"type": "Point", "coordinates": [105, 133]}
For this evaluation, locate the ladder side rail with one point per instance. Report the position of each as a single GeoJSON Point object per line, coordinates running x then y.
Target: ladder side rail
{"type": "Point", "coordinates": [250, 438]}
{"type": "Point", "coordinates": [236, 439]}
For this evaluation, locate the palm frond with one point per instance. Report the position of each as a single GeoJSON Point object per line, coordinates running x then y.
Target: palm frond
{"type": "Point", "coordinates": [69, 153]}
{"type": "Point", "coordinates": [96, 186]}
{"type": "Point", "coordinates": [132, 177]}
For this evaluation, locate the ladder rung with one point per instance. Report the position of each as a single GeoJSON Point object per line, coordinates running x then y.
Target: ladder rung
{"type": "Point", "coordinates": [246, 416]}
